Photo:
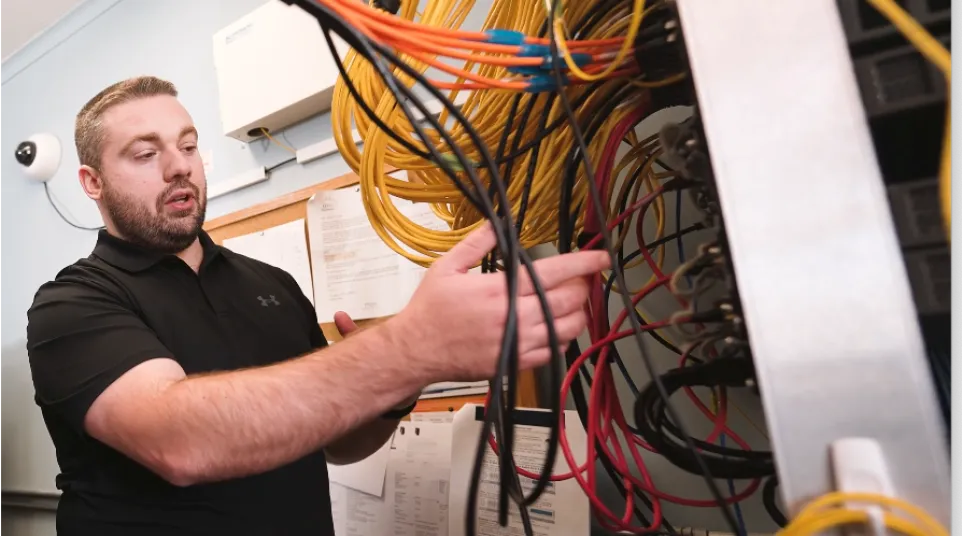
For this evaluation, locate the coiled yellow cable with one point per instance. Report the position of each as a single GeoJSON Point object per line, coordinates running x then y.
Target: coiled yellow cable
{"type": "Point", "coordinates": [487, 110]}
{"type": "Point", "coordinates": [830, 511]}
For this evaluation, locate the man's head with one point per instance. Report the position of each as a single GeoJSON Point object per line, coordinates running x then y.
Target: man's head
{"type": "Point", "coordinates": [139, 161]}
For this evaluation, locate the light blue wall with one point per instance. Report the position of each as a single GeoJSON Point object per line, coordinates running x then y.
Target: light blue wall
{"type": "Point", "coordinates": [44, 86]}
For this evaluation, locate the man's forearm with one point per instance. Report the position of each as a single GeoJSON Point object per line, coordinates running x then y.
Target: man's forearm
{"type": "Point", "coordinates": [360, 442]}
{"type": "Point", "coordinates": [365, 440]}
{"type": "Point", "coordinates": [239, 423]}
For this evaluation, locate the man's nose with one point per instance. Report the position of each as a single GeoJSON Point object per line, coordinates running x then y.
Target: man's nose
{"type": "Point", "coordinates": [178, 166]}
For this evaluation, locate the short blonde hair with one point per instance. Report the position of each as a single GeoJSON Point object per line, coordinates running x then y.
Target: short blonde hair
{"type": "Point", "coordinates": [88, 131]}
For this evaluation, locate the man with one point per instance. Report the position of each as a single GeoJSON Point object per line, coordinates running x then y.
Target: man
{"type": "Point", "coordinates": [188, 389]}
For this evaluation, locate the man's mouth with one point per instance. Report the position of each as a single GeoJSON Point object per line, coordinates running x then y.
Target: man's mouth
{"type": "Point", "coordinates": [180, 200]}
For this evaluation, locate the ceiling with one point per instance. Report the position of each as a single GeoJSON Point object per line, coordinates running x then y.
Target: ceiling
{"type": "Point", "coordinates": [23, 20]}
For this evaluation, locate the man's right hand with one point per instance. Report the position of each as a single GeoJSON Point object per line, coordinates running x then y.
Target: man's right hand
{"type": "Point", "coordinates": [454, 324]}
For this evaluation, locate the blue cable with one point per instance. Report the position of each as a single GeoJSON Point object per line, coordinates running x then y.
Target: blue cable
{"type": "Point", "coordinates": [731, 489]}
{"type": "Point", "coordinates": [681, 259]}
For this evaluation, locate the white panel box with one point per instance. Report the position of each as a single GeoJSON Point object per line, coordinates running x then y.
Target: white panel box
{"type": "Point", "coordinates": [274, 69]}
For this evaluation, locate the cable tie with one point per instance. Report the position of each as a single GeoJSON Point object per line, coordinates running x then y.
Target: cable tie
{"type": "Point", "coordinates": [506, 37]}
{"type": "Point", "coordinates": [534, 51]}
{"type": "Point", "coordinates": [528, 70]}
{"type": "Point", "coordinates": [544, 82]}
{"type": "Point", "coordinates": [455, 164]}
{"type": "Point", "coordinates": [581, 59]}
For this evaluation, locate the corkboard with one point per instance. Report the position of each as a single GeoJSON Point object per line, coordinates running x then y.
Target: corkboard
{"type": "Point", "coordinates": [293, 206]}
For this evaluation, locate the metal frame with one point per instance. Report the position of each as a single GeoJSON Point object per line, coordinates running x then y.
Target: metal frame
{"type": "Point", "coordinates": [30, 500]}
{"type": "Point", "coordinates": [824, 289]}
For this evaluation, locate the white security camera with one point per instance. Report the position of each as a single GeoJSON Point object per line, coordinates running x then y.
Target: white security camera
{"type": "Point", "coordinates": [40, 156]}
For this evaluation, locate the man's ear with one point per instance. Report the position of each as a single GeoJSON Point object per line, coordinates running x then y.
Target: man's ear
{"type": "Point", "coordinates": [92, 182]}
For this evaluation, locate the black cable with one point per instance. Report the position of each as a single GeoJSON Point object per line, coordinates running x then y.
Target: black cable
{"type": "Point", "coordinates": [612, 349]}
{"type": "Point", "coordinates": [698, 226]}
{"type": "Point", "coordinates": [512, 253]}
{"type": "Point", "coordinates": [532, 162]}
{"type": "Point", "coordinates": [608, 287]}
{"type": "Point", "coordinates": [507, 473]}
{"type": "Point", "coordinates": [46, 190]}
{"type": "Point", "coordinates": [620, 276]}
{"type": "Point", "coordinates": [771, 506]}
{"type": "Point", "coordinates": [577, 392]}
{"type": "Point", "coordinates": [280, 164]}
{"type": "Point", "coordinates": [373, 53]}
{"type": "Point", "coordinates": [489, 263]}
{"type": "Point", "coordinates": [608, 102]}
{"type": "Point", "coordinates": [666, 438]}
{"type": "Point", "coordinates": [466, 166]}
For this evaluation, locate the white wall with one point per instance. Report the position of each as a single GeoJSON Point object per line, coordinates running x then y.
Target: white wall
{"type": "Point", "coordinates": [44, 86]}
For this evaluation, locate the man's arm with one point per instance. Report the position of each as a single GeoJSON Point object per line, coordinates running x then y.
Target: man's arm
{"type": "Point", "coordinates": [96, 364]}
{"type": "Point", "coordinates": [369, 437]}
{"type": "Point", "coordinates": [227, 425]}
{"type": "Point", "coordinates": [360, 443]}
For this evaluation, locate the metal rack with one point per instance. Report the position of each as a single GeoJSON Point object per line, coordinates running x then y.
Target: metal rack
{"type": "Point", "coordinates": [826, 297]}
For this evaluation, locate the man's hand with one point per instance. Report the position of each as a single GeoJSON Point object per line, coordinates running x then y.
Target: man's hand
{"type": "Point", "coordinates": [454, 323]}
{"type": "Point", "coordinates": [345, 325]}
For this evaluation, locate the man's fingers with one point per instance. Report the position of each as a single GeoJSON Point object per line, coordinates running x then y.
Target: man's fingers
{"type": "Point", "coordinates": [539, 357]}
{"type": "Point", "coordinates": [345, 326]}
{"type": "Point", "coordinates": [567, 327]}
{"type": "Point", "coordinates": [563, 300]}
{"type": "Point", "coordinates": [469, 251]}
{"type": "Point", "coordinates": [555, 270]}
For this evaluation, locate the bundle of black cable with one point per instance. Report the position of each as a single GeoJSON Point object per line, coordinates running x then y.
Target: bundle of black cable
{"type": "Point", "coordinates": [665, 437]}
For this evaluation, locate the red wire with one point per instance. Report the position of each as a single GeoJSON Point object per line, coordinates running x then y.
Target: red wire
{"type": "Point", "coordinates": [605, 414]}
{"type": "Point", "coordinates": [599, 508]}
{"type": "Point", "coordinates": [603, 173]}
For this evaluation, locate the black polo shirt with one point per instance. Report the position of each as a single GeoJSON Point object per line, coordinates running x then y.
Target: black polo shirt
{"type": "Point", "coordinates": [123, 305]}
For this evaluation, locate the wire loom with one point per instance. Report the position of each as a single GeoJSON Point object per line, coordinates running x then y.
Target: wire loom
{"type": "Point", "coordinates": [558, 91]}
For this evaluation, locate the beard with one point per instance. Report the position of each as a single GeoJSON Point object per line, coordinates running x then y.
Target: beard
{"type": "Point", "coordinates": [160, 230]}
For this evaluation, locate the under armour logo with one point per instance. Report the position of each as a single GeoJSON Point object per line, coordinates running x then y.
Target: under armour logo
{"type": "Point", "coordinates": [269, 300]}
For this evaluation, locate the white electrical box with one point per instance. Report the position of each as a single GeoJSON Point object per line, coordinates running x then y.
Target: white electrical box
{"type": "Point", "coordinates": [274, 69]}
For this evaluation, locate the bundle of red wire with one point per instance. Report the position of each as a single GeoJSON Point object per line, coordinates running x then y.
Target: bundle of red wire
{"type": "Point", "coordinates": [607, 429]}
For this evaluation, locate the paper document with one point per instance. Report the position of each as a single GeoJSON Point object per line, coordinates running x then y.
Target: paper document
{"type": "Point", "coordinates": [458, 391]}
{"type": "Point", "coordinates": [354, 270]}
{"type": "Point", "coordinates": [366, 475]}
{"type": "Point", "coordinates": [415, 500]}
{"type": "Point", "coordinates": [421, 477]}
{"type": "Point", "coordinates": [562, 510]}
{"type": "Point", "coordinates": [284, 246]}
{"type": "Point", "coordinates": [432, 416]}
{"type": "Point", "coordinates": [358, 514]}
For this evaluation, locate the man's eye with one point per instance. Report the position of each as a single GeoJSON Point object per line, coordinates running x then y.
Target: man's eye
{"type": "Point", "coordinates": [146, 155]}
{"type": "Point", "coordinates": [190, 148]}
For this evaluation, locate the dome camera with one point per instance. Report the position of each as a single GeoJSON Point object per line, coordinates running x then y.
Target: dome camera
{"type": "Point", "coordinates": [40, 156]}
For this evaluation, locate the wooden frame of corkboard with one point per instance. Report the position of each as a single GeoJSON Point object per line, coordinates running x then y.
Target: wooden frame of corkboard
{"type": "Point", "coordinates": [293, 206]}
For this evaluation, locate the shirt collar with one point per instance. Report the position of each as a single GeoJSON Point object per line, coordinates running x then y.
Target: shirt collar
{"type": "Point", "coordinates": [134, 258]}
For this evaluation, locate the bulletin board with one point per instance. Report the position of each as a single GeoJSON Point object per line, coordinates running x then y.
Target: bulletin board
{"type": "Point", "coordinates": [292, 207]}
